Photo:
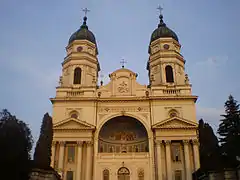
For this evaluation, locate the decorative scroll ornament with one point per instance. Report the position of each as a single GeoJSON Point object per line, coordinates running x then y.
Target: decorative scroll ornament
{"type": "Point", "coordinates": [123, 87]}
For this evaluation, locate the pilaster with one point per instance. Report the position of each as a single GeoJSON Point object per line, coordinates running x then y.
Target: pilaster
{"type": "Point", "coordinates": [159, 160]}
{"type": "Point", "coordinates": [79, 160]}
{"type": "Point", "coordinates": [196, 154]}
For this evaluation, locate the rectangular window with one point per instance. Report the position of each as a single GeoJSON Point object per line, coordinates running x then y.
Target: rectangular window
{"type": "Point", "coordinates": [71, 153]}
{"type": "Point", "coordinates": [69, 175]}
{"type": "Point", "coordinates": [178, 175]}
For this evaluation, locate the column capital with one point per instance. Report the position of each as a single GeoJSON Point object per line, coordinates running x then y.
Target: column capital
{"type": "Point", "coordinates": [195, 142]}
{"type": "Point", "coordinates": [167, 142]}
{"type": "Point", "coordinates": [79, 143]}
{"type": "Point", "coordinates": [62, 143]}
{"type": "Point", "coordinates": [158, 142]}
{"type": "Point", "coordinates": [89, 143]}
{"type": "Point", "coordinates": [54, 143]}
{"type": "Point", "coordinates": [185, 142]}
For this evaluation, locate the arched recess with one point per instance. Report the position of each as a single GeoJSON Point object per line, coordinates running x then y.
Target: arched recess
{"type": "Point", "coordinates": [106, 174]}
{"type": "Point", "coordinates": [140, 174]}
{"type": "Point", "coordinates": [169, 74]}
{"type": "Point", "coordinates": [123, 134]}
{"type": "Point", "coordinates": [123, 173]}
{"type": "Point", "coordinates": [77, 76]}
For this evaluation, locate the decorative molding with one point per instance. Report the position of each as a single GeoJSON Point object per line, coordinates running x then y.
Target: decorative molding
{"type": "Point", "coordinates": [123, 87]}
{"type": "Point", "coordinates": [158, 142]}
{"type": "Point", "coordinates": [126, 109]}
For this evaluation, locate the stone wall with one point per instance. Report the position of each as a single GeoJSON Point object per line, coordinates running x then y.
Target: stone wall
{"type": "Point", "coordinates": [38, 174]}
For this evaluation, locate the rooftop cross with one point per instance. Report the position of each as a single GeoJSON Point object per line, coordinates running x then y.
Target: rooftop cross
{"type": "Point", "coordinates": [123, 62]}
{"type": "Point", "coordinates": [160, 9]}
{"type": "Point", "coordinates": [85, 10]}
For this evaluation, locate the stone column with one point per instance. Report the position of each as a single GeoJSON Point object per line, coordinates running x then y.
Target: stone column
{"type": "Point", "coordinates": [187, 160]}
{"type": "Point", "coordinates": [159, 159]}
{"type": "Point", "coordinates": [196, 154]}
{"type": "Point", "coordinates": [168, 159]}
{"type": "Point", "coordinates": [89, 161]}
{"type": "Point", "coordinates": [61, 156]}
{"type": "Point", "coordinates": [79, 160]}
{"type": "Point", "coordinates": [53, 154]}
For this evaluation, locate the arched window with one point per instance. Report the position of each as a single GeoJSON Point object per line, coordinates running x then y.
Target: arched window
{"type": "Point", "coordinates": [173, 113]}
{"type": "Point", "coordinates": [105, 174]}
{"type": "Point", "coordinates": [77, 76]}
{"type": "Point", "coordinates": [74, 114]}
{"type": "Point", "coordinates": [123, 174]}
{"type": "Point", "coordinates": [141, 174]}
{"type": "Point", "coordinates": [169, 74]}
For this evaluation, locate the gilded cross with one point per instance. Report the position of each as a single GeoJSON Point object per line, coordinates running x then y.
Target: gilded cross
{"type": "Point", "coordinates": [123, 62]}
{"type": "Point", "coordinates": [85, 10]}
{"type": "Point", "coordinates": [160, 9]}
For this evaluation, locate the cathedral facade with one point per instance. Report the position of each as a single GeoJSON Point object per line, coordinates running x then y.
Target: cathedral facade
{"type": "Point", "coordinates": [124, 130]}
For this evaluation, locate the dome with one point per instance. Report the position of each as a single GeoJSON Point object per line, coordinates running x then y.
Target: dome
{"type": "Point", "coordinates": [162, 31]}
{"type": "Point", "coordinates": [83, 34]}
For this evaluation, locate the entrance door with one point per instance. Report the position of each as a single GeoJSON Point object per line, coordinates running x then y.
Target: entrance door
{"type": "Point", "coordinates": [123, 174]}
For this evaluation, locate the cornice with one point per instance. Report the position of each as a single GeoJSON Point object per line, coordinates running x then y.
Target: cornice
{"type": "Point", "coordinates": [124, 99]}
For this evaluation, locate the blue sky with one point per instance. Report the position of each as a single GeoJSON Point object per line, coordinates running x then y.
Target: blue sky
{"type": "Point", "coordinates": [34, 34]}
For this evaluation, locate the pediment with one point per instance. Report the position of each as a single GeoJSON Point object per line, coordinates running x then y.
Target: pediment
{"type": "Point", "coordinates": [73, 124]}
{"type": "Point", "coordinates": [175, 123]}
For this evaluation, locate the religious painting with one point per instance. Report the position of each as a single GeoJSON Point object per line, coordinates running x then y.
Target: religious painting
{"type": "Point", "coordinates": [123, 134]}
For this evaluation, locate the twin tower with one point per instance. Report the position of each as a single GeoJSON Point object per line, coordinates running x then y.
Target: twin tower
{"type": "Point", "coordinates": [165, 65]}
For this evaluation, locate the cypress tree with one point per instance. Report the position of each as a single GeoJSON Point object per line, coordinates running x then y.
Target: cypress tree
{"type": "Point", "coordinates": [229, 130]}
{"type": "Point", "coordinates": [43, 150]}
{"type": "Point", "coordinates": [209, 148]}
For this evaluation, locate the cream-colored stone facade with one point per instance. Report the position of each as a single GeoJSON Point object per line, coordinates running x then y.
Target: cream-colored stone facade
{"type": "Point", "coordinates": [92, 140]}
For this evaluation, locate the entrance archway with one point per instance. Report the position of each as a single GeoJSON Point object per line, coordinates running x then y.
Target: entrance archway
{"type": "Point", "coordinates": [123, 134]}
{"type": "Point", "coordinates": [123, 174]}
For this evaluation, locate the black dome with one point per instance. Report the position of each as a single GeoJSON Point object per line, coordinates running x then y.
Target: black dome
{"type": "Point", "coordinates": [83, 34]}
{"type": "Point", "coordinates": [162, 31]}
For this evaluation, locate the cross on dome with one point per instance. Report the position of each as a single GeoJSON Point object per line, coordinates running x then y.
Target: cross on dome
{"type": "Point", "coordinates": [123, 62]}
{"type": "Point", "coordinates": [85, 10]}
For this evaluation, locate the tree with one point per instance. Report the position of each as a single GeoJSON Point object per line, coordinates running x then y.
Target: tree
{"type": "Point", "coordinates": [229, 129]}
{"type": "Point", "coordinates": [16, 144]}
{"type": "Point", "coordinates": [209, 148]}
{"type": "Point", "coordinates": [43, 150]}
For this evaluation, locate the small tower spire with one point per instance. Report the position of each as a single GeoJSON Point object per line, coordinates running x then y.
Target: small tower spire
{"type": "Point", "coordinates": [161, 16]}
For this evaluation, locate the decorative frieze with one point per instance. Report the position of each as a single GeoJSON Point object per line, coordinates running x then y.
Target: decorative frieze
{"type": "Point", "coordinates": [125, 109]}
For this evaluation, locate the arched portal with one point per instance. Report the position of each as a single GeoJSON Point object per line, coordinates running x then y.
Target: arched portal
{"type": "Point", "coordinates": [123, 134]}
{"type": "Point", "coordinates": [123, 174]}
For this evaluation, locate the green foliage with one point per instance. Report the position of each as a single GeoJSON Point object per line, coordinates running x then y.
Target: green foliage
{"type": "Point", "coordinates": [16, 144]}
{"type": "Point", "coordinates": [43, 152]}
{"type": "Point", "coordinates": [229, 129]}
{"type": "Point", "coordinates": [209, 148]}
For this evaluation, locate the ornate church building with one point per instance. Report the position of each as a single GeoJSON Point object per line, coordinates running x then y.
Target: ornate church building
{"type": "Point", "coordinates": [124, 130]}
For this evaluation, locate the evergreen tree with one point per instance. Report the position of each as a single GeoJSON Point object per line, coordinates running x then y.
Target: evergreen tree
{"type": "Point", "coordinates": [16, 144]}
{"type": "Point", "coordinates": [209, 148]}
{"type": "Point", "coordinates": [43, 150]}
{"type": "Point", "coordinates": [229, 129]}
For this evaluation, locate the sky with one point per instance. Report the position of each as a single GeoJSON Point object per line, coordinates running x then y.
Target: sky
{"type": "Point", "coordinates": [34, 34]}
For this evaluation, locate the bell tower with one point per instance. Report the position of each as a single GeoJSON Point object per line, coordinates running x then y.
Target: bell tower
{"type": "Point", "coordinates": [166, 65]}
{"type": "Point", "coordinates": [80, 67]}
